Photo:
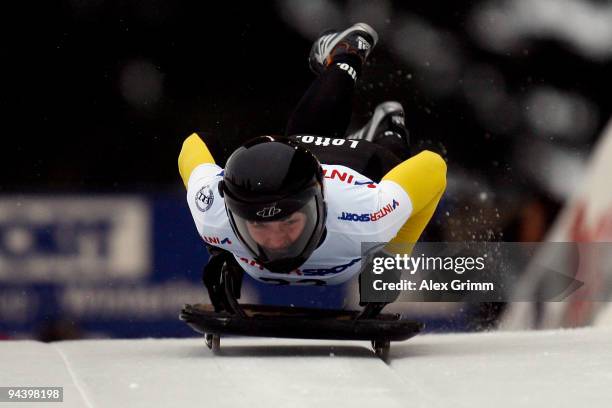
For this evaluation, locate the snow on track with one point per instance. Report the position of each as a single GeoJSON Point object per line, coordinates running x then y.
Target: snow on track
{"type": "Point", "coordinates": [528, 369]}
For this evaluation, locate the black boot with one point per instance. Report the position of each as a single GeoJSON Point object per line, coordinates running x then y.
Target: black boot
{"type": "Point", "coordinates": [357, 40]}
{"type": "Point", "coordinates": [386, 128]}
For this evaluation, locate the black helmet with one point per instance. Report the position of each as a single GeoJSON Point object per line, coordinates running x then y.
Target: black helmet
{"type": "Point", "coordinates": [273, 191]}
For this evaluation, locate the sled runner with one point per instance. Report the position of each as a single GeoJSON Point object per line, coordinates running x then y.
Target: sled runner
{"type": "Point", "coordinates": [302, 323]}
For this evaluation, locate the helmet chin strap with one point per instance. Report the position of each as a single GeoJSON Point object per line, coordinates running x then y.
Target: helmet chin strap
{"type": "Point", "coordinates": [323, 236]}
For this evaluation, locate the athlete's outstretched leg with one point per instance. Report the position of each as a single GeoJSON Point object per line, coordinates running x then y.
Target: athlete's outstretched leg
{"type": "Point", "coordinates": [337, 58]}
{"type": "Point", "coordinates": [326, 107]}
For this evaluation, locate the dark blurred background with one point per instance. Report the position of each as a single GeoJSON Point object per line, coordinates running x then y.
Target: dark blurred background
{"type": "Point", "coordinates": [105, 91]}
{"type": "Point", "coordinates": [99, 95]}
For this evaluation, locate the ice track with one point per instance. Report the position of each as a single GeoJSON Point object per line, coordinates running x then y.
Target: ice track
{"type": "Point", "coordinates": [567, 368]}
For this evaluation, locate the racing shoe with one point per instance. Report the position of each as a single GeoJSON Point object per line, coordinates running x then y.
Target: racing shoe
{"type": "Point", "coordinates": [387, 120]}
{"type": "Point", "coordinates": [358, 39]}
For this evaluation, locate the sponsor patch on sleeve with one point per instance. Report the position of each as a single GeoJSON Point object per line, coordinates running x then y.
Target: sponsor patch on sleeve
{"type": "Point", "coordinates": [204, 198]}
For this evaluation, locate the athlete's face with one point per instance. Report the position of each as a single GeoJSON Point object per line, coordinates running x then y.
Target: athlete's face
{"type": "Point", "coordinates": [277, 235]}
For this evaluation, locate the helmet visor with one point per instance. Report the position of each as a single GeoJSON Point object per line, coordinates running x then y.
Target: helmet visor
{"type": "Point", "coordinates": [280, 238]}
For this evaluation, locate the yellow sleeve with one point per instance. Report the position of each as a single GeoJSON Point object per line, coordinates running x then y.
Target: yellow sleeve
{"type": "Point", "coordinates": [423, 178]}
{"type": "Point", "coordinates": [193, 153]}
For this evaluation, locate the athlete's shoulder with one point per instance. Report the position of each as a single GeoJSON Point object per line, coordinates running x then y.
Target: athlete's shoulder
{"type": "Point", "coordinates": [205, 203]}
{"type": "Point", "coordinates": [203, 173]}
{"type": "Point", "coordinates": [339, 177]}
{"type": "Point", "coordinates": [359, 207]}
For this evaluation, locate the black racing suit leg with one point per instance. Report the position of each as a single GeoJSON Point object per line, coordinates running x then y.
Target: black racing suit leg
{"type": "Point", "coordinates": [326, 107]}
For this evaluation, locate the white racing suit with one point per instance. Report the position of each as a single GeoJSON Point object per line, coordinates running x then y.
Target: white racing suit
{"type": "Point", "coordinates": [358, 210]}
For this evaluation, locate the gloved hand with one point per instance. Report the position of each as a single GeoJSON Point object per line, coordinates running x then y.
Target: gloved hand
{"type": "Point", "coordinates": [213, 277]}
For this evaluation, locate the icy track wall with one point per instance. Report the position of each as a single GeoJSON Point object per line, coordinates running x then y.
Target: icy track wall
{"type": "Point", "coordinates": [587, 217]}
{"type": "Point", "coordinates": [567, 368]}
